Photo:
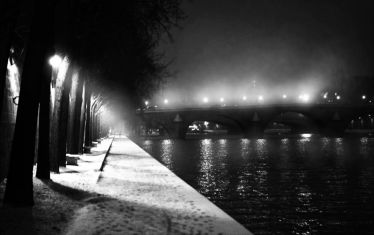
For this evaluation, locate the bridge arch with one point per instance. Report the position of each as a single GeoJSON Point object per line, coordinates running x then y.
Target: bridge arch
{"type": "Point", "coordinates": [291, 122]}
{"type": "Point", "coordinates": [213, 126]}
{"type": "Point", "coordinates": [253, 120]}
{"type": "Point", "coordinates": [154, 125]}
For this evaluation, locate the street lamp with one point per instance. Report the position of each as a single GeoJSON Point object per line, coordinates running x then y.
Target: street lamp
{"type": "Point", "coordinates": [244, 98]}
{"type": "Point", "coordinates": [166, 101]}
{"type": "Point", "coordinates": [363, 97]}
{"type": "Point", "coordinates": [284, 96]}
{"type": "Point", "coordinates": [304, 97]}
{"type": "Point", "coordinates": [55, 61]}
{"type": "Point", "coordinates": [205, 100]}
{"type": "Point", "coordinates": [260, 98]}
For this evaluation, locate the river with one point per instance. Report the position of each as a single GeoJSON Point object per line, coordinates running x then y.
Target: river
{"type": "Point", "coordinates": [296, 185]}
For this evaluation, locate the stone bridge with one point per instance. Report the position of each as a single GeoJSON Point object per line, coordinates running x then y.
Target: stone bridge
{"type": "Point", "coordinates": [251, 121]}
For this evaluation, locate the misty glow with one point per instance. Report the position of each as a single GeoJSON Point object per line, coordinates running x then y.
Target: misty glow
{"type": "Point", "coordinates": [55, 61]}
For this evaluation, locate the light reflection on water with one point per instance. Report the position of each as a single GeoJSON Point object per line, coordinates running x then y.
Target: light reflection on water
{"type": "Point", "coordinates": [285, 186]}
{"type": "Point", "coordinates": [167, 151]}
{"type": "Point", "coordinates": [205, 178]}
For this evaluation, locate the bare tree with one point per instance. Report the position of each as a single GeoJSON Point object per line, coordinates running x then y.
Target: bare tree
{"type": "Point", "coordinates": [19, 188]}
{"type": "Point", "coordinates": [118, 39]}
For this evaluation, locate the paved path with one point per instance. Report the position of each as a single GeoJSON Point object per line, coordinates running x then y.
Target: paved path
{"type": "Point", "coordinates": [138, 195]}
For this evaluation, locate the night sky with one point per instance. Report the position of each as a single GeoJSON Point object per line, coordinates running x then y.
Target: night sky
{"type": "Point", "coordinates": [224, 45]}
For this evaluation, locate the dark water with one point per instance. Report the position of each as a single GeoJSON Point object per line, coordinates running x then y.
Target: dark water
{"type": "Point", "coordinates": [280, 186]}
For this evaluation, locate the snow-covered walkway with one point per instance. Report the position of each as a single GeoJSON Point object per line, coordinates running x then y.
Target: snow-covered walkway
{"type": "Point", "coordinates": [139, 195]}
{"type": "Point", "coordinates": [135, 194]}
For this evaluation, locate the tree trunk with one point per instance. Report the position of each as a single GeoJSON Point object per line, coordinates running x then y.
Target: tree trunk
{"type": "Point", "coordinates": [76, 147]}
{"type": "Point", "coordinates": [94, 126]}
{"type": "Point", "coordinates": [9, 14]}
{"type": "Point", "coordinates": [81, 119]}
{"type": "Point", "coordinates": [88, 138]}
{"type": "Point", "coordinates": [64, 118]}
{"type": "Point", "coordinates": [55, 117]}
{"type": "Point", "coordinates": [75, 115]}
{"type": "Point", "coordinates": [43, 168]}
{"type": "Point", "coordinates": [69, 12]}
{"type": "Point", "coordinates": [98, 123]}
{"type": "Point", "coordinates": [19, 188]}
{"type": "Point", "coordinates": [71, 110]}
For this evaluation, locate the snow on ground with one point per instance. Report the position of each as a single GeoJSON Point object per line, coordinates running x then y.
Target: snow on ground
{"type": "Point", "coordinates": [55, 200]}
{"type": "Point", "coordinates": [141, 196]}
{"type": "Point", "coordinates": [134, 194]}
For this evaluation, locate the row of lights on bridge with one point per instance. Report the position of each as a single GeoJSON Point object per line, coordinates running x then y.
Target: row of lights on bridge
{"type": "Point", "coordinates": [305, 98]}
{"type": "Point", "coordinates": [338, 97]}
{"type": "Point", "coordinates": [260, 98]}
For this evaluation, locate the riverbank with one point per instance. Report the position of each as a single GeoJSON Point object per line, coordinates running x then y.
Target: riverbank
{"type": "Point", "coordinates": [134, 194]}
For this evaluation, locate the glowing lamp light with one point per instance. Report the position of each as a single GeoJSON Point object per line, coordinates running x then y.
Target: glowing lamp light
{"type": "Point", "coordinates": [55, 61]}
{"type": "Point", "coordinates": [222, 100]}
{"type": "Point", "coordinates": [325, 95]}
{"type": "Point", "coordinates": [166, 101]}
{"type": "Point", "coordinates": [306, 135]}
{"type": "Point", "coordinates": [12, 67]}
{"type": "Point", "coordinates": [363, 97]}
{"type": "Point", "coordinates": [338, 97]}
{"type": "Point", "coordinates": [284, 96]}
{"type": "Point", "coordinates": [205, 100]}
{"type": "Point", "coordinates": [260, 98]}
{"type": "Point", "coordinates": [146, 102]}
{"type": "Point", "coordinates": [304, 98]}
{"type": "Point", "coordinates": [244, 97]}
